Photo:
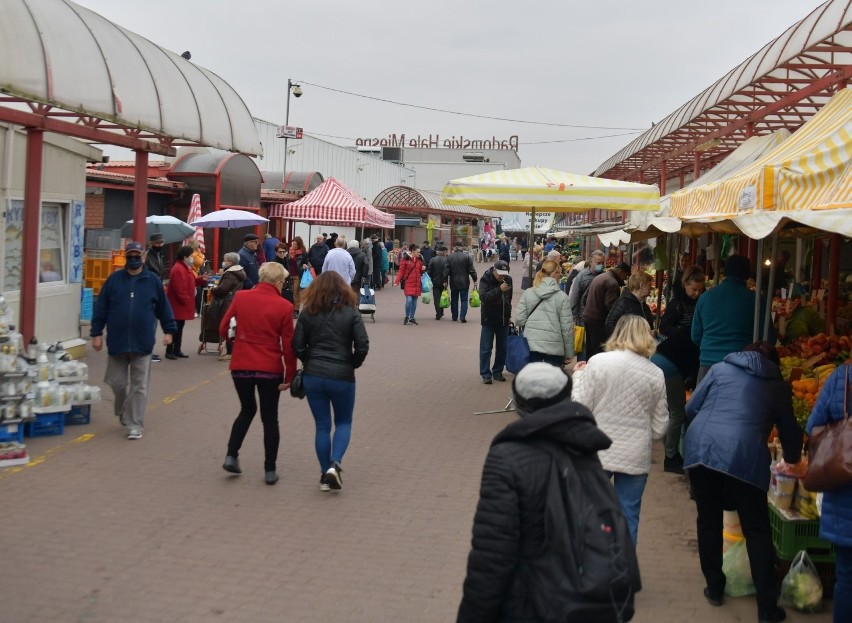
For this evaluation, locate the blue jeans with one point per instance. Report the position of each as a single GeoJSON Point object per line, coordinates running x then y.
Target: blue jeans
{"type": "Point", "coordinates": [488, 338]}
{"type": "Point", "coordinates": [410, 306]}
{"type": "Point", "coordinates": [629, 488]}
{"type": "Point", "coordinates": [843, 585]}
{"type": "Point", "coordinates": [454, 303]}
{"type": "Point", "coordinates": [322, 394]}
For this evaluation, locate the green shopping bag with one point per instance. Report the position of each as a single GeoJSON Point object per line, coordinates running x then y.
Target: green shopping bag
{"type": "Point", "coordinates": [445, 299]}
{"type": "Point", "coordinates": [474, 299]}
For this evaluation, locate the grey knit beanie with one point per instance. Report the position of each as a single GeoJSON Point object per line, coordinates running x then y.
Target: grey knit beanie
{"type": "Point", "coordinates": [539, 385]}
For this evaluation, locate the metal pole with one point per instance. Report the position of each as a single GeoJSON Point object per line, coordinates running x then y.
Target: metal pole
{"type": "Point", "coordinates": [140, 197]}
{"type": "Point", "coordinates": [286, 138]}
{"type": "Point", "coordinates": [834, 243]}
{"type": "Point", "coordinates": [30, 234]}
{"type": "Point", "coordinates": [757, 280]}
{"type": "Point", "coordinates": [767, 316]}
{"type": "Point", "coordinates": [531, 244]}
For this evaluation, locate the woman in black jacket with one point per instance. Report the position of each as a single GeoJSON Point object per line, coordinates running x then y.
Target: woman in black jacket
{"type": "Point", "coordinates": [230, 283]}
{"type": "Point", "coordinates": [677, 356]}
{"type": "Point", "coordinates": [331, 341]}
{"type": "Point", "coordinates": [632, 301]}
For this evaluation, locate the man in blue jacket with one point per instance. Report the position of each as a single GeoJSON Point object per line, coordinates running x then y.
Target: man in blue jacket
{"type": "Point", "coordinates": [723, 321]}
{"type": "Point", "coordinates": [128, 307]}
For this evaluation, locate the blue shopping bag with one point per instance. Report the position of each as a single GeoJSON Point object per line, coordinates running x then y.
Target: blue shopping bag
{"type": "Point", "coordinates": [307, 279]}
{"type": "Point", "coordinates": [425, 283]}
{"type": "Point", "coordinates": [517, 350]}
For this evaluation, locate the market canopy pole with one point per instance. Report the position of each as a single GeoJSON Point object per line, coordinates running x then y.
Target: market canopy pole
{"type": "Point", "coordinates": [756, 331]}
{"type": "Point", "coordinates": [770, 286]}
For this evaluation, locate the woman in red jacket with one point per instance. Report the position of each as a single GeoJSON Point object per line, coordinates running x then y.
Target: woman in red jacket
{"type": "Point", "coordinates": [264, 334]}
{"type": "Point", "coordinates": [181, 295]}
{"type": "Point", "coordinates": [410, 269]}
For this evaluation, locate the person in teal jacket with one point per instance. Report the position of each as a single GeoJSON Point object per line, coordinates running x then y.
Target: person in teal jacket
{"type": "Point", "coordinates": [723, 321]}
{"type": "Point", "coordinates": [835, 524]}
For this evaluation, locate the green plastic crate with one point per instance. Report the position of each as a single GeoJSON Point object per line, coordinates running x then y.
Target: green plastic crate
{"type": "Point", "coordinates": [791, 537]}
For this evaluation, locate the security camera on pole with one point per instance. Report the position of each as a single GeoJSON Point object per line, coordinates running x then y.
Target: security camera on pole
{"type": "Point", "coordinates": [286, 131]}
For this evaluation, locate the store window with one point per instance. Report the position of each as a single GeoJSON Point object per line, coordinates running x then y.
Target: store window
{"type": "Point", "coordinates": [52, 241]}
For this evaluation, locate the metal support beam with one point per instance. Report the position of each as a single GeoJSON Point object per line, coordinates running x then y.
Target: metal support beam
{"type": "Point", "coordinates": [833, 279]}
{"type": "Point", "coordinates": [140, 197]}
{"type": "Point", "coordinates": [49, 124]}
{"type": "Point", "coordinates": [32, 225]}
{"type": "Point", "coordinates": [663, 175]}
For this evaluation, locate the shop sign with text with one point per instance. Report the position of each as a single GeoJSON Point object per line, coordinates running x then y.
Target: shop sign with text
{"type": "Point", "coordinates": [434, 141]}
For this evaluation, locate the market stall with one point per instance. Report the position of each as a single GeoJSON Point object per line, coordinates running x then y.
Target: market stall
{"type": "Point", "coordinates": [333, 203]}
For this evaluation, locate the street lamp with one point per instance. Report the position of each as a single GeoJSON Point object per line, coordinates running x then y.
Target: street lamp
{"type": "Point", "coordinates": [296, 90]}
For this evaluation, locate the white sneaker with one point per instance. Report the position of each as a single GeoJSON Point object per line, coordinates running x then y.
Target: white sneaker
{"type": "Point", "coordinates": [324, 484]}
{"type": "Point", "coordinates": [332, 477]}
{"type": "Point", "coordinates": [134, 433]}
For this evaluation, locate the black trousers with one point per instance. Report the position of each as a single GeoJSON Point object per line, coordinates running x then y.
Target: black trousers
{"type": "Point", "coordinates": [436, 300]}
{"type": "Point", "coordinates": [177, 338]}
{"type": "Point", "coordinates": [267, 391]}
{"type": "Point", "coordinates": [712, 489]}
{"type": "Point", "coordinates": [595, 337]}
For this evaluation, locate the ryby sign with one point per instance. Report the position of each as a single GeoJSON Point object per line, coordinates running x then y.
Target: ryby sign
{"type": "Point", "coordinates": [289, 131]}
{"type": "Point", "coordinates": [435, 141]}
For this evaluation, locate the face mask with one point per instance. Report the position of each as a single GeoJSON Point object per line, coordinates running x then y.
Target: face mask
{"type": "Point", "coordinates": [190, 261]}
{"type": "Point", "coordinates": [133, 262]}
{"type": "Point", "coordinates": [226, 265]}
{"type": "Point", "coordinates": [599, 268]}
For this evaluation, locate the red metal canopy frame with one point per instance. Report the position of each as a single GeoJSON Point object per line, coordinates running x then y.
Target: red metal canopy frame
{"type": "Point", "coordinates": [781, 86]}
{"type": "Point", "coordinates": [42, 118]}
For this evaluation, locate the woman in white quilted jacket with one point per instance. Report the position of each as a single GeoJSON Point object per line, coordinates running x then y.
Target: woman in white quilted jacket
{"type": "Point", "coordinates": [627, 395]}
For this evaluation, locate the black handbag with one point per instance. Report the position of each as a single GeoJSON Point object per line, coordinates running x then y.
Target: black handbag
{"type": "Point", "coordinates": [297, 388]}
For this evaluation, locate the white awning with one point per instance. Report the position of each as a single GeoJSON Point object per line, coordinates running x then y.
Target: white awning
{"type": "Point", "coordinates": [60, 54]}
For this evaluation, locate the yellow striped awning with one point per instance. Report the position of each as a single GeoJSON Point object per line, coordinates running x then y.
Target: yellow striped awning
{"type": "Point", "coordinates": [547, 190]}
{"type": "Point", "coordinates": [808, 171]}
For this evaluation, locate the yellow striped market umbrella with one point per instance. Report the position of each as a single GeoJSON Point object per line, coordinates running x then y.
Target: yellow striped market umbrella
{"type": "Point", "coordinates": [547, 190]}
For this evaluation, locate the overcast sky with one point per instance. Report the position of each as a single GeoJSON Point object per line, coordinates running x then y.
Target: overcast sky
{"type": "Point", "coordinates": [614, 64]}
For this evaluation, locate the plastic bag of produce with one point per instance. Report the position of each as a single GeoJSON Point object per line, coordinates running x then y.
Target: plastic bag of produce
{"type": "Point", "coordinates": [474, 298]}
{"type": "Point", "coordinates": [426, 297]}
{"type": "Point", "coordinates": [445, 299]}
{"type": "Point", "coordinates": [737, 571]}
{"type": "Point", "coordinates": [801, 587]}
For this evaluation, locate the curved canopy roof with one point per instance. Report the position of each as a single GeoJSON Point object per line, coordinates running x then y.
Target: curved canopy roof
{"type": "Point", "coordinates": [409, 199]}
{"type": "Point", "coordinates": [61, 55]}
{"type": "Point", "coordinates": [780, 86]}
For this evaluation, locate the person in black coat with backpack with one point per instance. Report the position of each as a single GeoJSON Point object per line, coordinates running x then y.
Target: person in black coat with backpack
{"type": "Point", "coordinates": [503, 581]}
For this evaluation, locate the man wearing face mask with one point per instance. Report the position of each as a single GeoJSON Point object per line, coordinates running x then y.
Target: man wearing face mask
{"type": "Point", "coordinates": [155, 261]}
{"type": "Point", "coordinates": [181, 294]}
{"type": "Point", "coordinates": [128, 307]}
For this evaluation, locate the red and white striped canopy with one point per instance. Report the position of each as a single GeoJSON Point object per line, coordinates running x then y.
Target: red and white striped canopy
{"type": "Point", "coordinates": [194, 215]}
{"type": "Point", "coordinates": [333, 203]}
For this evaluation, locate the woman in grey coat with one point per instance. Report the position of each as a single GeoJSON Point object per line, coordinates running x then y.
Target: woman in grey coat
{"type": "Point", "coordinates": [545, 315]}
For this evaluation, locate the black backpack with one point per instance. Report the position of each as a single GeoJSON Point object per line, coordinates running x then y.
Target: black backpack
{"type": "Point", "coordinates": [587, 568]}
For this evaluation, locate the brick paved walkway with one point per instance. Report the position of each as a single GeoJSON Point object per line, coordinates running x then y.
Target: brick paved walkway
{"type": "Point", "coordinates": [99, 529]}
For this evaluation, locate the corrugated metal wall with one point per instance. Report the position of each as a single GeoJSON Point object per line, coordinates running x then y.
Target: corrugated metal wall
{"type": "Point", "coordinates": [363, 173]}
